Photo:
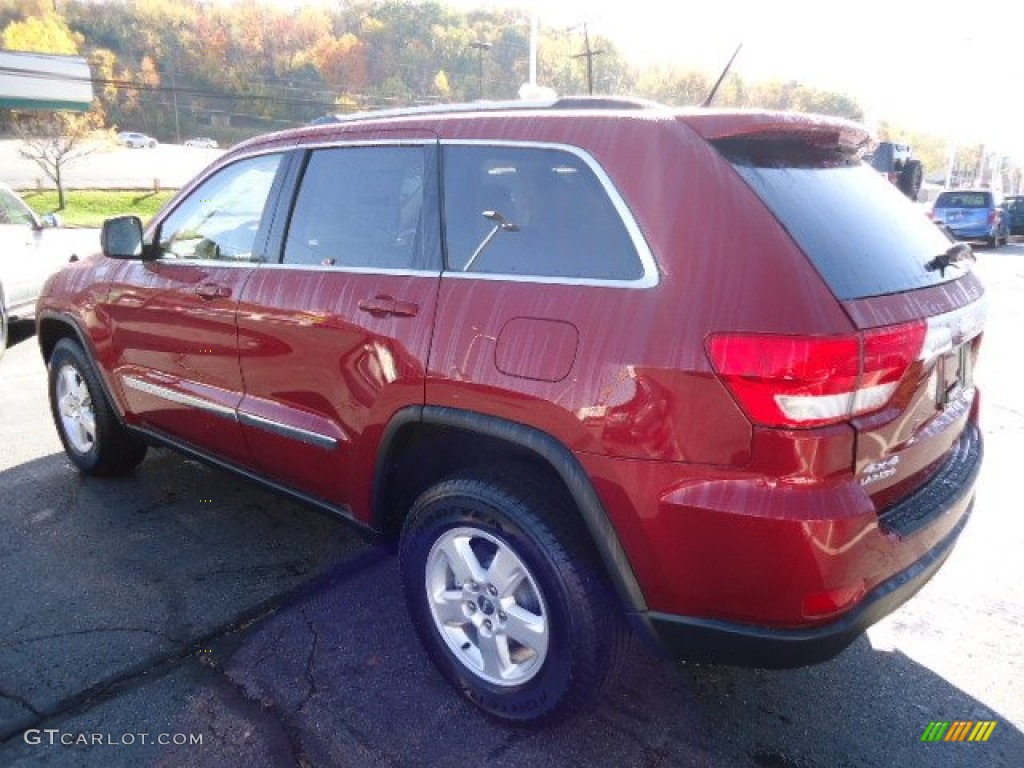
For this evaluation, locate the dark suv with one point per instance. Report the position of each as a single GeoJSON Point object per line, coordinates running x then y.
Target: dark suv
{"type": "Point", "coordinates": [698, 373]}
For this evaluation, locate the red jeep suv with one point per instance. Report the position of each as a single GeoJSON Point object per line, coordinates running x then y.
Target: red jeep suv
{"type": "Point", "coordinates": [593, 364]}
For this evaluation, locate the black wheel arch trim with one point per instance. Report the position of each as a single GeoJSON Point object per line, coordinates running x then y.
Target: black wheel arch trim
{"type": "Point", "coordinates": [71, 322]}
{"type": "Point", "coordinates": [547, 448]}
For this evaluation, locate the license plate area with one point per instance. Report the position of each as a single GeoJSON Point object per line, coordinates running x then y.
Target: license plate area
{"type": "Point", "coordinates": [954, 375]}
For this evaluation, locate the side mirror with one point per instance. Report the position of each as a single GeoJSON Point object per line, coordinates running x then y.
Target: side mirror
{"type": "Point", "coordinates": [52, 221]}
{"type": "Point", "coordinates": [121, 238]}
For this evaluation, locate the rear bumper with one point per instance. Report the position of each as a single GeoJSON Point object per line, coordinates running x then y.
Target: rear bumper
{"type": "Point", "coordinates": [721, 642]}
{"type": "Point", "coordinates": [944, 503]}
{"type": "Point", "coordinates": [972, 233]}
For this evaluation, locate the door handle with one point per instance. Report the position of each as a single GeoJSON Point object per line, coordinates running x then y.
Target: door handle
{"type": "Point", "coordinates": [384, 306]}
{"type": "Point", "coordinates": [405, 309]}
{"type": "Point", "coordinates": [212, 291]}
{"type": "Point", "coordinates": [378, 306]}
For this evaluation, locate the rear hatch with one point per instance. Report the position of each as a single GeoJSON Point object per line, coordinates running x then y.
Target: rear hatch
{"type": "Point", "coordinates": [968, 212]}
{"type": "Point", "coordinates": [903, 378]}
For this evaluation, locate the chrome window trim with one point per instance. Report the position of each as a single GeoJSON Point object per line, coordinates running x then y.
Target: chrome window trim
{"type": "Point", "coordinates": [180, 398]}
{"type": "Point", "coordinates": [650, 277]}
{"type": "Point", "coordinates": [316, 439]}
{"type": "Point", "coordinates": [435, 273]}
{"type": "Point", "coordinates": [501, 277]}
{"type": "Point", "coordinates": [210, 263]}
{"type": "Point", "coordinates": [339, 142]}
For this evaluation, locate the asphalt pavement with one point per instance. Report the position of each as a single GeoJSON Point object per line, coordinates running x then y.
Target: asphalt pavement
{"type": "Point", "coordinates": [182, 617]}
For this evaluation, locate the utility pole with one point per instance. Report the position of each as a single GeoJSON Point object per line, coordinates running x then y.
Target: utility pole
{"type": "Point", "coordinates": [589, 54]}
{"type": "Point", "coordinates": [481, 46]}
{"type": "Point", "coordinates": [534, 35]}
{"type": "Point", "coordinates": [174, 97]}
{"type": "Point", "coordinates": [950, 167]}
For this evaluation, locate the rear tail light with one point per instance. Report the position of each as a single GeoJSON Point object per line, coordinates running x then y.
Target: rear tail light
{"type": "Point", "coordinates": [809, 381]}
{"type": "Point", "coordinates": [991, 217]}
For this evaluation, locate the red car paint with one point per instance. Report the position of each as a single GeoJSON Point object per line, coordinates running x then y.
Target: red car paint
{"type": "Point", "coordinates": [719, 517]}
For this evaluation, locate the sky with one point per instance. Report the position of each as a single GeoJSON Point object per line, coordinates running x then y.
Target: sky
{"type": "Point", "coordinates": [935, 66]}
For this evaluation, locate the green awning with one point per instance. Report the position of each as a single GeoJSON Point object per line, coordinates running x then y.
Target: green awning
{"type": "Point", "coordinates": [44, 81]}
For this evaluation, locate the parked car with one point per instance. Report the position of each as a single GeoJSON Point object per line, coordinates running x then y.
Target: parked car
{"type": "Point", "coordinates": [896, 162]}
{"type": "Point", "coordinates": [136, 140]}
{"type": "Point", "coordinates": [1013, 206]}
{"type": "Point", "coordinates": [972, 214]}
{"type": "Point", "coordinates": [202, 142]}
{"type": "Point", "coordinates": [592, 365]}
{"type": "Point", "coordinates": [31, 249]}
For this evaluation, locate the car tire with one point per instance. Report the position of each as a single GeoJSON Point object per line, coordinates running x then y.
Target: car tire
{"type": "Point", "coordinates": [911, 177]}
{"type": "Point", "coordinates": [93, 437]}
{"type": "Point", "coordinates": [507, 595]}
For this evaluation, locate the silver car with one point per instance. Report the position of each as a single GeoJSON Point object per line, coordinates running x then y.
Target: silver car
{"type": "Point", "coordinates": [31, 249]}
{"type": "Point", "coordinates": [136, 140]}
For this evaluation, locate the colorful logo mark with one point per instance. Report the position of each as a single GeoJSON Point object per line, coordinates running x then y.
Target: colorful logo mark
{"type": "Point", "coordinates": [958, 730]}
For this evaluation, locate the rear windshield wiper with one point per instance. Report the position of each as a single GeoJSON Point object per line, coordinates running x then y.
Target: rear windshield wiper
{"type": "Point", "coordinates": [955, 254]}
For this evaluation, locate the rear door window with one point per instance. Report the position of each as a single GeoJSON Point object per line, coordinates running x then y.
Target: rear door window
{"type": "Point", "coordinates": [361, 207]}
{"type": "Point", "coordinates": [862, 235]}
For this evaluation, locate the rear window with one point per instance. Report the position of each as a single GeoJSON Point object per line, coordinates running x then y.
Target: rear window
{"type": "Point", "coordinates": [963, 200]}
{"type": "Point", "coordinates": [863, 236]}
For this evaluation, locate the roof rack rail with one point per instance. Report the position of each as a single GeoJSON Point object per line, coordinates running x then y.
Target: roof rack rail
{"type": "Point", "coordinates": [565, 102]}
{"type": "Point", "coordinates": [604, 102]}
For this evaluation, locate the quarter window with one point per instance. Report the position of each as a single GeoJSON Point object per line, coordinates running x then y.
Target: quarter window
{"type": "Point", "coordinates": [360, 207]}
{"type": "Point", "coordinates": [220, 218]}
{"type": "Point", "coordinates": [534, 212]}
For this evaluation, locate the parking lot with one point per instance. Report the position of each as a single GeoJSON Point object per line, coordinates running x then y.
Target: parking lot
{"type": "Point", "coordinates": [180, 605]}
{"type": "Point", "coordinates": [169, 166]}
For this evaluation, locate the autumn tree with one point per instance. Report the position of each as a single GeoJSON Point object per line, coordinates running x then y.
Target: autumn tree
{"type": "Point", "coordinates": [55, 140]}
{"type": "Point", "coordinates": [47, 33]}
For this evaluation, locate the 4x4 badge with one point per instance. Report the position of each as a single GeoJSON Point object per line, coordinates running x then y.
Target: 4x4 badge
{"type": "Point", "coordinates": [880, 470]}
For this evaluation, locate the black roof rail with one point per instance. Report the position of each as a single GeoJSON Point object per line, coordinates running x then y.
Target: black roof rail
{"type": "Point", "coordinates": [566, 102]}
{"type": "Point", "coordinates": [604, 102]}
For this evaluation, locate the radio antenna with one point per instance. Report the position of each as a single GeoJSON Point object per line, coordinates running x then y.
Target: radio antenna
{"type": "Point", "coordinates": [721, 77]}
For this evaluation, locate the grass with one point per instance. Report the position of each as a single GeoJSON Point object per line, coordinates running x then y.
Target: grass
{"type": "Point", "coordinates": [89, 207]}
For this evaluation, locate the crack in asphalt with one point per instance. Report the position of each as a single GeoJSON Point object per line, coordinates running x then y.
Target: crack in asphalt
{"type": "Point", "coordinates": [135, 675]}
{"type": "Point", "coordinates": [79, 632]}
{"type": "Point", "coordinates": [310, 660]}
{"type": "Point", "coordinates": [20, 701]}
{"type": "Point", "coordinates": [294, 567]}
{"type": "Point", "coordinates": [141, 673]}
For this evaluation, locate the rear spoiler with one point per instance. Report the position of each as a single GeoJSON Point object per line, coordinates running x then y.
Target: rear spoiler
{"type": "Point", "coordinates": [762, 124]}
